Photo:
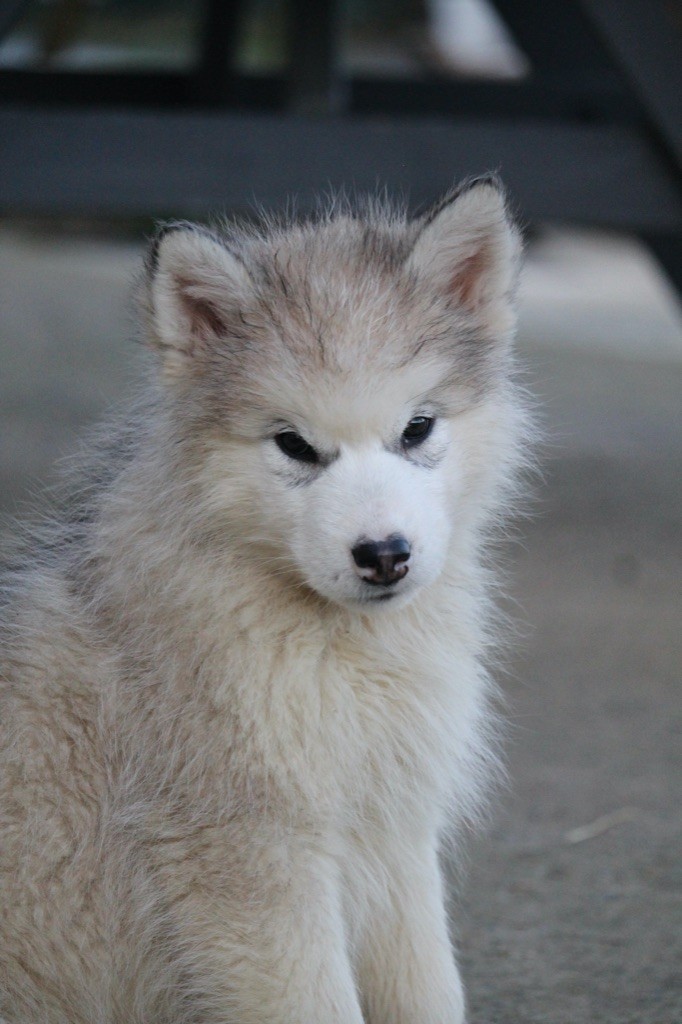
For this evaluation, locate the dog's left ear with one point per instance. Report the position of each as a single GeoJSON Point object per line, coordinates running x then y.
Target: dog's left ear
{"type": "Point", "coordinates": [468, 248]}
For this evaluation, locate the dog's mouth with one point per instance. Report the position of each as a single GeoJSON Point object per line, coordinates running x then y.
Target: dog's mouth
{"type": "Point", "coordinates": [381, 598]}
{"type": "Point", "coordinates": [363, 595]}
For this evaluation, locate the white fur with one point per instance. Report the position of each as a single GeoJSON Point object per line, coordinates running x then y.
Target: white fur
{"type": "Point", "coordinates": [226, 768]}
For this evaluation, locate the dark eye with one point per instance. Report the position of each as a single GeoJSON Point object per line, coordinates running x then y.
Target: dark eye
{"type": "Point", "coordinates": [296, 447]}
{"type": "Point", "coordinates": [417, 430]}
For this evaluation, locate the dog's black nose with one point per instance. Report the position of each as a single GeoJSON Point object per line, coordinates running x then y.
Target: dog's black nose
{"type": "Point", "coordinates": [382, 562]}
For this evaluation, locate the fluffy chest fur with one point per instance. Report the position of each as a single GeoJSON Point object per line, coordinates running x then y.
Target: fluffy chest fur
{"type": "Point", "coordinates": [305, 713]}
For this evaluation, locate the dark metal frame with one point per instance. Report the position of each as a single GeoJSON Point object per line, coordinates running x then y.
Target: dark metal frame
{"type": "Point", "coordinates": [594, 135]}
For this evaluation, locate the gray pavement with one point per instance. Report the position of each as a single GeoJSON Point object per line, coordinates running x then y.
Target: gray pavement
{"type": "Point", "coordinates": [572, 912]}
{"type": "Point", "coordinates": [565, 927]}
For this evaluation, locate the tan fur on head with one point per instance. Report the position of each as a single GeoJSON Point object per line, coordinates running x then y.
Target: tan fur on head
{"type": "Point", "coordinates": [243, 693]}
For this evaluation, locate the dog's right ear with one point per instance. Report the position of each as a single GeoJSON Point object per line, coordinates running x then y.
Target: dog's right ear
{"type": "Point", "coordinates": [468, 249]}
{"type": "Point", "coordinates": [194, 286]}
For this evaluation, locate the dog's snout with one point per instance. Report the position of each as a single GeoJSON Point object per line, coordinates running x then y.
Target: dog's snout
{"type": "Point", "coordinates": [382, 562]}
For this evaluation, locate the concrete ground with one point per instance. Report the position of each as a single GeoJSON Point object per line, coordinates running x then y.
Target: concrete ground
{"type": "Point", "coordinates": [572, 912]}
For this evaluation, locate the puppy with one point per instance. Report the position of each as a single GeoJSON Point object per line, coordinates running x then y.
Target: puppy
{"type": "Point", "coordinates": [242, 682]}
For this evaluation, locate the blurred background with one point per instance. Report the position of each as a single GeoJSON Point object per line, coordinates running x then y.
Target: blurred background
{"type": "Point", "coordinates": [114, 113]}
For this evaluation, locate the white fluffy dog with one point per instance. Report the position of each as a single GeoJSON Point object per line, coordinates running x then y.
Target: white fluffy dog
{"type": "Point", "coordinates": [242, 691]}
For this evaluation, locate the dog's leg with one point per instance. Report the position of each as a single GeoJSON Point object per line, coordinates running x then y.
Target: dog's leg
{"type": "Point", "coordinates": [271, 945]}
{"type": "Point", "coordinates": [408, 973]}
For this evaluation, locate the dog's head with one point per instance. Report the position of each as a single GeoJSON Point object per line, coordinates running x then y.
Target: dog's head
{"type": "Point", "coordinates": [343, 384]}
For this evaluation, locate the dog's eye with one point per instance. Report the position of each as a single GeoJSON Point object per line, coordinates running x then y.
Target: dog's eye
{"type": "Point", "coordinates": [296, 447]}
{"type": "Point", "coordinates": [417, 430]}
